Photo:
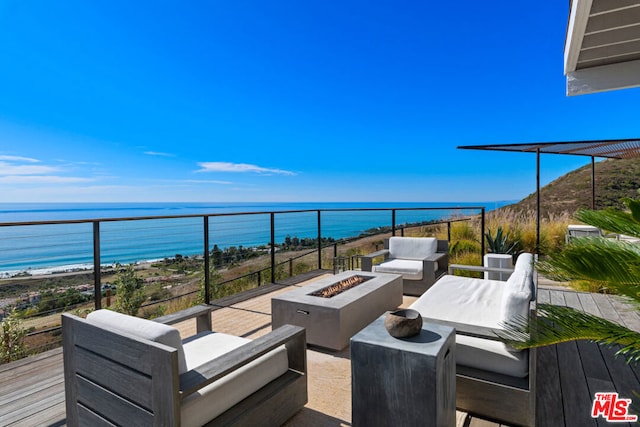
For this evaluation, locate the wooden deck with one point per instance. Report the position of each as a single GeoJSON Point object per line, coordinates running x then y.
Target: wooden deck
{"type": "Point", "coordinates": [32, 389]}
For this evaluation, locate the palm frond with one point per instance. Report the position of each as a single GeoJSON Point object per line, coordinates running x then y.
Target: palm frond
{"type": "Point", "coordinates": [612, 264]}
{"type": "Point", "coordinates": [556, 324]}
{"type": "Point", "coordinates": [610, 220]}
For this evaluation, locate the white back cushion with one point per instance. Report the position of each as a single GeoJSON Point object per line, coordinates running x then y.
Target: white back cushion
{"type": "Point", "coordinates": [412, 247]}
{"type": "Point", "coordinates": [142, 328]}
{"type": "Point", "coordinates": [518, 290]}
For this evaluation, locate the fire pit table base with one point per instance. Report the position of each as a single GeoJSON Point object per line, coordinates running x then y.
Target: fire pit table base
{"type": "Point", "coordinates": [331, 322]}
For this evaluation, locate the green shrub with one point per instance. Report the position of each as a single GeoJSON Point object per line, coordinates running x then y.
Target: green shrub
{"type": "Point", "coordinates": [12, 338]}
{"type": "Point", "coordinates": [130, 293]}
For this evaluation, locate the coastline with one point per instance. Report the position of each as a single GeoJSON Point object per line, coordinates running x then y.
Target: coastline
{"type": "Point", "coordinates": [45, 250]}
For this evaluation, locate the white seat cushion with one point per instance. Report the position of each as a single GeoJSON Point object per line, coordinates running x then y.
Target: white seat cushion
{"type": "Point", "coordinates": [414, 248]}
{"type": "Point", "coordinates": [409, 269]}
{"type": "Point", "coordinates": [463, 300]}
{"type": "Point", "coordinates": [489, 355]}
{"type": "Point", "coordinates": [212, 400]}
{"type": "Point", "coordinates": [142, 328]}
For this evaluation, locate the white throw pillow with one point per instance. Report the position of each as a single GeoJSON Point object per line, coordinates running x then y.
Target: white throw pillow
{"type": "Point", "coordinates": [518, 290]}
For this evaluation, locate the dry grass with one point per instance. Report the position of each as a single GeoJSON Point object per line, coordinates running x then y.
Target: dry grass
{"type": "Point", "coordinates": [521, 226]}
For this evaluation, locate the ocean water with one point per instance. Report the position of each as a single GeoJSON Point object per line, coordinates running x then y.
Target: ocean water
{"type": "Point", "coordinates": [43, 248]}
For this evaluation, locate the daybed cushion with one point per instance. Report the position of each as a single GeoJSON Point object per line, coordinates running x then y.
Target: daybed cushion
{"type": "Point", "coordinates": [415, 248]}
{"type": "Point", "coordinates": [463, 300]}
{"type": "Point", "coordinates": [211, 401]}
{"type": "Point", "coordinates": [409, 269]}
{"type": "Point", "coordinates": [142, 328]}
{"type": "Point", "coordinates": [475, 302]}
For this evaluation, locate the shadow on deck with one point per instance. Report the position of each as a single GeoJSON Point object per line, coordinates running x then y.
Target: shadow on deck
{"type": "Point", "coordinates": [32, 389]}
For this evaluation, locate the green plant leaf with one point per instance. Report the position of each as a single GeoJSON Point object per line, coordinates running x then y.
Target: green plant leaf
{"type": "Point", "coordinates": [634, 207]}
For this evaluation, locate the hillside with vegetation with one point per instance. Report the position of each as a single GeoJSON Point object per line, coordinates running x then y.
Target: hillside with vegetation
{"type": "Point", "coordinates": [615, 179]}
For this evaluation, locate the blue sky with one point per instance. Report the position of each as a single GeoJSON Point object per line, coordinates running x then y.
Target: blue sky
{"type": "Point", "coordinates": [287, 101]}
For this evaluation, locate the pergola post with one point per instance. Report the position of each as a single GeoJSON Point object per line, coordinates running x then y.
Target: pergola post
{"type": "Point", "coordinates": [593, 183]}
{"type": "Point", "coordinates": [538, 201]}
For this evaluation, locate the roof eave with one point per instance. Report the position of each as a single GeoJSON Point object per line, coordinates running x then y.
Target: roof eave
{"type": "Point", "coordinates": [622, 75]}
{"type": "Point", "coordinates": [578, 19]}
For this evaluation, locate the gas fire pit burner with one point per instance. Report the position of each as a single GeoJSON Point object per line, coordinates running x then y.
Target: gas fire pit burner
{"type": "Point", "coordinates": [339, 287]}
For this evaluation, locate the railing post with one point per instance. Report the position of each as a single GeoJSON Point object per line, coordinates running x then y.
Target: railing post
{"type": "Point", "coordinates": [207, 280]}
{"type": "Point", "coordinates": [259, 278]}
{"type": "Point", "coordinates": [273, 247]}
{"type": "Point", "coordinates": [482, 224]}
{"type": "Point", "coordinates": [97, 297]}
{"type": "Point", "coordinates": [393, 222]}
{"type": "Point", "coordinates": [449, 231]}
{"type": "Point", "coordinates": [319, 242]}
{"type": "Point", "coordinates": [290, 267]}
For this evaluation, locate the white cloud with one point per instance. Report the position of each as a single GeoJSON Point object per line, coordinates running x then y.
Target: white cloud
{"type": "Point", "coordinates": [19, 159]}
{"type": "Point", "coordinates": [240, 167]}
{"type": "Point", "coordinates": [22, 170]}
{"type": "Point", "coordinates": [41, 179]}
{"type": "Point", "coordinates": [13, 169]}
{"type": "Point", "coordinates": [158, 153]}
{"type": "Point", "coordinates": [204, 181]}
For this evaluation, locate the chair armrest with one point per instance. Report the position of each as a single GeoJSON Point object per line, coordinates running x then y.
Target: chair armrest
{"type": "Point", "coordinates": [467, 329]}
{"type": "Point", "coordinates": [293, 337]}
{"type": "Point", "coordinates": [367, 260]}
{"type": "Point", "coordinates": [453, 267]}
{"type": "Point", "coordinates": [201, 312]}
{"type": "Point", "coordinates": [435, 256]}
{"type": "Point", "coordinates": [377, 253]}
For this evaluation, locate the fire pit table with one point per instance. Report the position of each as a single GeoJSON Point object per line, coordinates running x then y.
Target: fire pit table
{"type": "Point", "coordinates": [335, 308]}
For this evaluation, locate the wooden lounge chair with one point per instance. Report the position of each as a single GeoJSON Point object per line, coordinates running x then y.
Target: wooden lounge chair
{"type": "Point", "coordinates": [492, 380]}
{"type": "Point", "coordinates": [420, 261]}
{"type": "Point", "coordinates": [123, 370]}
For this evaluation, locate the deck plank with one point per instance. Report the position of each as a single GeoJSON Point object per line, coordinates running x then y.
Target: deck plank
{"type": "Point", "coordinates": [595, 369]}
{"type": "Point", "coordinates": [628, 314]}
{"type": "Point", "coordinates": [549, 393]}
{"type": "Point", "coordinates": [607, 310]}
{"type": "Point", "coordinates": [588, 304]}
{"type": "Point", "coordinates": [624, 378]}
{"type": "Point", "coordinates": [544, 296]}
{"type": "Point", "coordinates": [574, 384]}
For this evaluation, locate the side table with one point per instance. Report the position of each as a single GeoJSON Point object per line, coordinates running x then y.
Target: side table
{"type": "Point", "coordinates": [403, 381]}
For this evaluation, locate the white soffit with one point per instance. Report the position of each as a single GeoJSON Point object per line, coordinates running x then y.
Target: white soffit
{"type": "Point", "coordinates": [602, 47]}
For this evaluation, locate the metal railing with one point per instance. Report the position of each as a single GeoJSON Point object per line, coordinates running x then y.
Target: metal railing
{"type": "Point", "coordinates": [97, 241]}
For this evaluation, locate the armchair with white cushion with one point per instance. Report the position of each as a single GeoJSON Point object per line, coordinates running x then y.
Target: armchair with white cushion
{"type": "Point", "coordinates": [419, 260]}
{"type": "Point", "coordinates": [124, 370]}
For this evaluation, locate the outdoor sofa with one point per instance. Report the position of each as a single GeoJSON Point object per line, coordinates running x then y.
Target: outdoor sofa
{"type": "Point", "coordinates": [492, 379]}
{"type": "Point", "coordinates": [419, 260]}
{"type": "Point", "coordinates": [124, 370]}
